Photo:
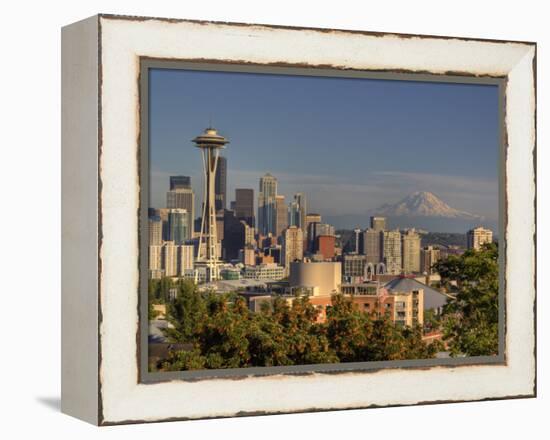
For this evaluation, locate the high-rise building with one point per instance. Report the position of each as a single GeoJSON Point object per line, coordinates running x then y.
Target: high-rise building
{"type": "Point", "coordinates": [302, 202]}
{"type": "Point", "coordinates": [249, 239]}
{"type": "Point", "coordinates": [163, 214]}
{"type": "Point", "coordinates": [293, 245]}
{"type": "Point", "coordinates": [312, 218]}
{"type": "Point", "coordinates": [234, 235]}
{"type": "Point", "coordinates": [267, 205]}
{"type": "Point", "coordinates": [179, 182]}
{"type": "Point", "coordinates": [324, 229]}
{"type": "Point", "coordinates": [428, 257]}
{"type": "Point", "coordinates": [247, 256]}
{"type": "Point", "coordinates": [294, 214]}
{"type": "Point", "coordinates": [185, 259]}
{"type": "Point", "coordinates": [373, 246]}
{"type": "Point", "coordinates": [181, 198]}
{"type": "Point", "coordinates": [275, 252]}
{"type": "Point", "coordinates": [244, 205]}
{"type": "Point", "coordinates": [479, 236]}
{"type": "Point", "coordinates": [282, 215]}
{"type": "Point", "coordinates": [220, 225]}
{"type": "Point", "coordinates": [297, 212]}
{"type": "Point", "coordinates": [392, 252]}
{"type": "Point", "coordinates": [170, 259]}
{"type": "Point", "coordinates": [325, 246]}
{"type": "Point", "coordinates": [155, 257]}
{"type": "Point", "coordinates": [315, 230]}
{"type": "Point", "coordinates": [358, 246]}
{"type": "Point", "coordinates": [178, 226]}
{"type": "Point", "coordinates": [221, 184]}
{"type": "Point", "coordinates": [411, 251]}
{"type": "Point", "coordinates": [378, 223]}
{"type": "Point", "coordinates": [155, 231]}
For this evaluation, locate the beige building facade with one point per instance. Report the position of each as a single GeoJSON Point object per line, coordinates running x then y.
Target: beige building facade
{"type": "Point", "coordinates": [411, 251]}
{"type": "Point", "coordinates": [293, 246]}
{"type": "Point", "coordinates": [477, 237]}
{"type": "Point", "coordinates": [392, 252]}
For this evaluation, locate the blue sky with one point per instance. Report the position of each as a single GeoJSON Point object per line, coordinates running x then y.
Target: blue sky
{"type": "Point", "coordinates": [349, 144]}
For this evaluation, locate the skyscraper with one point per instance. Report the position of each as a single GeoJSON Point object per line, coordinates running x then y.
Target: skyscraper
{"type": "Point", "coordinates": [317, 229]}
{"type": "Point", "coordinates": [281, 219]}
{"type": "Point", "coordinates": [294, 214]}
{"type": "Point", "coordinates": [392, 252]}
{"type": "Point", "coordinates": [310, 218]}
{"type": "Point", "coordinates": [297, 212]}
{"type": "Point", "coordinates": [221, 183]}
{"type": "Point", "coordinates": [477, 237]}
{"type": "Point", "coordinates": [182, 198]}
{"type": "Point", "coordinates": [178, 226]}
{"type": "Point", "coordinates": [179, 182]}
{"type": "Point", "coordinates": [378, 223]}
{"type": "Point", "coordinates": [302, 202]}
{"type": "Point", "coordinates": [234, 235]}
{"type": "Point", "coordinates": [293, 246]}
{"type": "Point", "coordinates": [411, 251]}
{"type": "Point", "coordinates": [244, 205]}
{"type": "Point", "coordinates": [373, 246]}
{"type": "Point", "coordinates": [358, 246]}
{"type": "Point", "coordinates": [267, 205]}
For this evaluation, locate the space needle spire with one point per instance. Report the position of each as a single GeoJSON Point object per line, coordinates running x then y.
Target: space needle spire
{"type": "Point", "coordinates": [210, 142]}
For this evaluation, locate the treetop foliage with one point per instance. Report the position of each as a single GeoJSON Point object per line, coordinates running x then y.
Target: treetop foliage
{"type": "Point", "coordinates": [224, 333]}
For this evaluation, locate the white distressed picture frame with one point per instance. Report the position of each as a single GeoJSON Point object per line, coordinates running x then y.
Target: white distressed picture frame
{"type": "Point", "coordinates": [100, 266]}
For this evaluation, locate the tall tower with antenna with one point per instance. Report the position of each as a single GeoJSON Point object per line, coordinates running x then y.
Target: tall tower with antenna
{"type": "Point", "coordinates": [210, 142]}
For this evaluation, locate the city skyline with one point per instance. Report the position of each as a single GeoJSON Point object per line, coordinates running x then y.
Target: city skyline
{"type": "Point", "coordinates": [359, 193]}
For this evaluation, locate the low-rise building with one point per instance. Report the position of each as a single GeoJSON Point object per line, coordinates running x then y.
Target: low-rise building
{"type": "Point", "coordinates": [404, 309]}
{"type": "Point", "coordinates": [354, 266]}
{"type": "Point", "coordinates": [268, 271]}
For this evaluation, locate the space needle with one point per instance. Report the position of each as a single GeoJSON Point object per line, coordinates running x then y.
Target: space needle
{"type": "Point", "coordinates": [210, 142]}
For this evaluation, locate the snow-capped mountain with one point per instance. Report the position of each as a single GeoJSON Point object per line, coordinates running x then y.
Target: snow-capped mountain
{"type": "Point", "coordinates": [424, 204]}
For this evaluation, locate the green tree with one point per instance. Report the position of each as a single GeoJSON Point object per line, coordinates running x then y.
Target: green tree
{"type": "Point", "coordinates": [349, 330]}
{"type": "Point", "coordinates": [185, 312]}
{"type": "Point", "coordinates": [470, 322]}
{"type": "Point", "coordinates": [159, 290]}
{"type": "Point", "coordinates": [224, 333]}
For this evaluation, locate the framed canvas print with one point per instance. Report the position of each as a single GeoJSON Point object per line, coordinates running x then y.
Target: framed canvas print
{"type": "Point", "coordinates": [262, 219]}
